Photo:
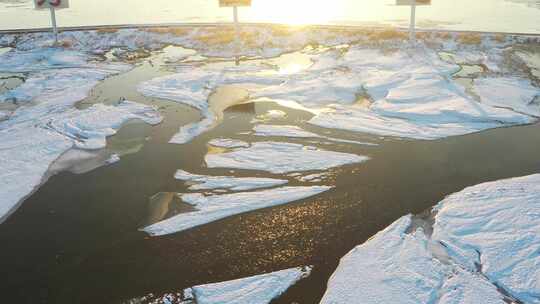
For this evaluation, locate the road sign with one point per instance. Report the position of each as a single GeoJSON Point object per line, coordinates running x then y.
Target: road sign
{"type": "Point", "coordinates": [48, 4]}
{"type": "Point", "coordinates": [413, 4]}
{"type": "Point", "coordinates": [410, 2]}
{"type": "Point", "coordinates": [234, 3]}
{"type": "Point", "coordinates": [52, 6]}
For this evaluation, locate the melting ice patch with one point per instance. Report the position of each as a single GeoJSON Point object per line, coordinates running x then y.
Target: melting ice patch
{"type": "Point", "coordinates": [278, 158]}
{"type": "Point", "coordinates": [203, 182]}
{"type": "Point", "coordinates": [216, 207]}
{"type": "Point", "coordinates": [483, 250]}
{"type": "Point", "coordinates": [260, 289]}
{"type": "Point", "coordinates": [513, 93]}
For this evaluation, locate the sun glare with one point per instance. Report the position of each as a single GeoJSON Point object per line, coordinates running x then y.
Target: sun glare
{"type": "Point", "coordinates": [296, 12]}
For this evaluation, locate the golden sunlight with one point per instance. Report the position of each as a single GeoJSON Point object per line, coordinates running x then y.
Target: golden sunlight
{"type": "Point", "coordinates": [296, 12]}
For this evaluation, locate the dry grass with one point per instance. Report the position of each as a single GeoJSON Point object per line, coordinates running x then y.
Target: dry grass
{"type": "Point", "coordinates": [445, 35]}
{"type": "Point", "coordinates": [499, 38]}
{"type": "Point", "coordinates": [176, 31]}
{"type": "Point", "coordinates": [470, 38]}
{"type": "Point", "coordinates": [106, 30]}
{"type": "Point", "coordinates": [225, 35]}
{"type": "Point", "coordinates": [389, 34]}
{"type": "Point", "coordinates": [284, 30]}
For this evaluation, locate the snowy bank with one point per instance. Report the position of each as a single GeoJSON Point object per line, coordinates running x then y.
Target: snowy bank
{"type": "Point", "coordinates": [483, 249]}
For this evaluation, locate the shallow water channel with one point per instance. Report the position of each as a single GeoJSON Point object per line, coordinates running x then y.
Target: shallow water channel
{"type": "Point", "coordinates": [76, 239]}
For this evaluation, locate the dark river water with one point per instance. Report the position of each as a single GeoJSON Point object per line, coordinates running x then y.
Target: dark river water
{"type": "Point", "coordinates": [75, 240]}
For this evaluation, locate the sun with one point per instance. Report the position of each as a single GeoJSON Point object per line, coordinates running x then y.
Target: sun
{"type": "Point", "coordinates": [296, 12]}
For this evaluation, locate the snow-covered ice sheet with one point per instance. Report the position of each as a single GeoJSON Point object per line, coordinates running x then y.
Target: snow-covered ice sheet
{"type": "Point", "coordinates": [279, 157]}
{"type": "Point", "coordinates": [216, 207]}
{"type": "Point", "coordinates": [483, 249]}
{"type": "Point", "coordinates": [204, 182]}
{"type": "Point", "coordinates": [495, 225]}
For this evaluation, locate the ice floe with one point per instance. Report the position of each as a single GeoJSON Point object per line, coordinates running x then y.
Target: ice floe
{"type": "Point", "coordinates": [279, 157]}
{"type": "Point", "coordinates": [216, 207]}
{"type": "Point", "coordinates": [483, 249]}
{"type": "Point", "coordinates": [204, 182]}
{"type": "Point", "coordinates": [259, 289]}
{"type": "Point", "coordinates": [228, 143]}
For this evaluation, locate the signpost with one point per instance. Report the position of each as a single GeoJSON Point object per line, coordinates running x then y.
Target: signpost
{"type": "Point", "coordinates": [235, 4]}
{"type": "Point", "coordinates": [52, 6]}
{"type": "Point", "coordinates": [413, 4]}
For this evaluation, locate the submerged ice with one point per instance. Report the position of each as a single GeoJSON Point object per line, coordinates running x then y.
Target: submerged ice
{"type": "Point", "coordinates": [483, 249]}
{"type": "Point", "coordinates": [203, 182]}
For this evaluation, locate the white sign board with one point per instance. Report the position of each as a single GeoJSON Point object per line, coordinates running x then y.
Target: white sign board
{"type": "Point", "coordinates": [234, 3]}
{"type": "Point", "coordinates": [48, 4]}
{"type": "Point", "coordinates": [411, 2]}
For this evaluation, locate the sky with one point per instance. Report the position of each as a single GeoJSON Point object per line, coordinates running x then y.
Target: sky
{"type": "Point", "coordinates": [484, 15]}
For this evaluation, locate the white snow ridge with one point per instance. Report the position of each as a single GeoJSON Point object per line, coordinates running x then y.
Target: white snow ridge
{"type": "Point", "coordinates": [484, 249]}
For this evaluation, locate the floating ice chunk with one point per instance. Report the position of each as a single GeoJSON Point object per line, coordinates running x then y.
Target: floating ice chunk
{"type": "Point", "coordinates": [314, 178]}
{"type": "Point", "coordinates": [483, 249]}
{"type": "Point", "coordinates": [203, 182]}
{"type": "Point", "coordinates": [496, 225]}
{"type": "Point", "coordinates": [228, 143]}
{"type": "Point", "coordinates": [213, 208]}
{"type": "Point", "coordinates": [513, 93]}
{"type": "Point", "coordinates": [260, 289]}
{"type": "Point", "coordinates": [113, 159]}
{"type": "Point", "coordinates": [277, 157]}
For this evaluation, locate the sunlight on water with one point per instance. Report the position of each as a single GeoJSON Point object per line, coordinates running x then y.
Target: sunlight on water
{"type": "Point", "coordinates": [483, 15]}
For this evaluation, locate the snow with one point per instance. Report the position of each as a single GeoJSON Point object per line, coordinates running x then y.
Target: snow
{"type": "Point", "coordinates": [202, 182]}
{"type": "Point", "coordinates": [279, 157]}
{"type": "Point", "coordinates": [260, 289]}
{"type": "Point", "coordinates": [216, 207]}
{"type": "Point", "coordinates": [514, 93]}
{"type": "Point", "coordinates": [485, 238]}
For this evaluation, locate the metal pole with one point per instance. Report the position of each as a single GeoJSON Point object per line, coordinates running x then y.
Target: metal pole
{"type": "Point", "coordinates": [55, 29]}
{"type": "Point", "coordinates": [412, 27]}
{"type": "Point", "coordinates": [236, 34]}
